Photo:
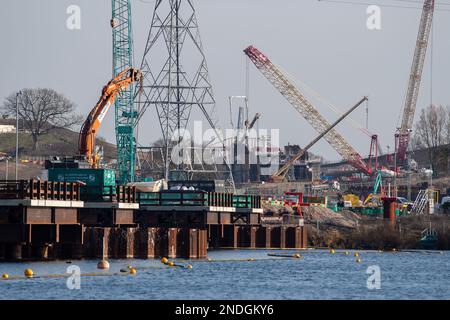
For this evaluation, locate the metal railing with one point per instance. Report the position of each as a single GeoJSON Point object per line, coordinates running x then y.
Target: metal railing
{"type": "Point", "coordinates": [121, 194]}
{"type": "Point", "coordinates": [285, 219]}
{"type": "Point", "coordinates": [197, 198]}
{"type": "Point", "coordinates": [39, 190]}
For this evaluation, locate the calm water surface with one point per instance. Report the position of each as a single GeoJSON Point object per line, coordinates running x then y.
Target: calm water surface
{"type": "Point", "coordinates": [320, 275]}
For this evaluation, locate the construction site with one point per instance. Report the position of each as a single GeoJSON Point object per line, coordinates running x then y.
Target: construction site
{"type": "Point", "coordinates": [185, 193]}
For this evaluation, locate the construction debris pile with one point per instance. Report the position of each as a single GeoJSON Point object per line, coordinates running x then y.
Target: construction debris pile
{"type": "Point", "coordinates": [318, 215]}
{"type": "Point", "coordinates": [325, 216]}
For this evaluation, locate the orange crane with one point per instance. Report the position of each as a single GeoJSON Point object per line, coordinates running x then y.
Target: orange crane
{"type": "Point", "coordinates": [281, 82]}
{"type": "Point", "coordinates": [403, 135]}
{"type": "Point", "coordinates": [91, 125]}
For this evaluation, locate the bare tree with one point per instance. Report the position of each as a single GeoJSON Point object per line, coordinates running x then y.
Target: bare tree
{"type": "Point", "coordinates": [42, 111]}
{"type": "Point", "coordinates": [447, 125]}
{"type": "Point", "coordinates": [431, 128]}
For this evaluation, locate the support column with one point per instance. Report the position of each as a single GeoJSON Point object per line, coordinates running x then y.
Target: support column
{"type": "Point", "coordinates": [230, 236]}
{"type": "Point", "coordinates": [172, 242]}
{"type": "Point", "coordinates": [389, 206]}
{"type": "Point", "coordinates": [276, 237]}
{"type": "Point", "coordinates": [283, 237]}
{"type": "Point", "coordinates": [214, 236]}
{"type": "Point", "coordinates": [202, 244]}
{"type": "Point", "coordinates": [2, 251]}
{"type": "Point", "coordinates": [193, 243]}
{"type": "Point", "coordinates": [263, 237]}
{"type": "Point", "coordinates": [102, 241]}
{"type": "Point", "coordinates": [39, 252]}
{"type": "Point", "coordinates": [304, 236]}
{"type": "Point", "coordinates": [13, 251]}
{"type": "Point", "coordinates": [126, 243]}
{"type": "Point", "coordinates": [161, 242]}
{"type": "Point", "coordinates": [253, 237]}
{"type": "Point", "coordinates": [268, 237]}
{"type": "Point", "coordinates": [147, 240]}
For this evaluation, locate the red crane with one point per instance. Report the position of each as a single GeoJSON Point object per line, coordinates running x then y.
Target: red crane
{"type": "Point", "coordinates": [306, 109]}
{"type": "Point", "coordinates": [403, 135]}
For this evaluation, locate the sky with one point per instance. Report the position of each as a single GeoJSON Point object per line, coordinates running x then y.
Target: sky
{"type": "Point", "coordinates": [322, 44]}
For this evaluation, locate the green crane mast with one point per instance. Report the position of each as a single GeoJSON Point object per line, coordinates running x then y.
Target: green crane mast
{"type": "Point", "coordinates": [125, 113]}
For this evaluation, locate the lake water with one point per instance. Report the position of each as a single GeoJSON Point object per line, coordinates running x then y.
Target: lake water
{"type": "Point", "coordinates": [320, 275]}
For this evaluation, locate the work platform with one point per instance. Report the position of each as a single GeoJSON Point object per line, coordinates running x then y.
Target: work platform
{"type": "Point", "coordinates": [45, 220]}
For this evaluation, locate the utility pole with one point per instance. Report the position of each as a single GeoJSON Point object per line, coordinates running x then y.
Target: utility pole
{"type": "Point", "coordinates": [17, 135]}
{"type": "Point", "coordinates": [6, 169]}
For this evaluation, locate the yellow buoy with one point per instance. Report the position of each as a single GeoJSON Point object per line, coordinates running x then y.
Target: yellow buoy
{"type": "Point", "coordinates": [251, 259]}
{"type": "Point", "coordinates": [356, 254]}
{"type": "Point", "coordinates": [189, 266]}
{"type": "Point", "coordinates": [5, 276]}
{"type": "Point", "coordinates": [297, 255]}
{"type": "Point", "coordinates": [346, 253]}
{"type": "Point", "coordinates": [133, 271]}
{"type": "Point", "coordinates": [332, 251]}
{"type": "Point", "coordinates": [358, 260]}
{"type": "Point", "coordinates": [208, 259]}
{"type": "Point", "coordinates": [165, 260]}
{"type": "Point", "coordinates": [103, 265]}
{"type": "Point", "coordinates": [129, 267]}
{"type": "Point", "coordinates": [171, 264]}
{"type": "Point", "coordinates": [28, 273]}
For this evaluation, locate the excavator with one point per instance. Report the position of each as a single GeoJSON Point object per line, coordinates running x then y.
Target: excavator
{"type": "Point", "coordinates": [89, 129]}
{"type": "Point", "coordinates": [374, 199]}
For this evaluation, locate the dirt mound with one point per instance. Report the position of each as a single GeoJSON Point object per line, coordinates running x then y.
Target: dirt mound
{"type": "Point", "coordinates": [324, 216]}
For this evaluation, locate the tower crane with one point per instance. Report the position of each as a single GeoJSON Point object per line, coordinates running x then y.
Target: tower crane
{"type": "Point", "coordinates": [402, 137]}
{"type": "Point", "coordinates": [306, 109]}
{"type": "Point", "coordinates": [125, 109]}
{"type": "Point", "coordinates": [90, 127]}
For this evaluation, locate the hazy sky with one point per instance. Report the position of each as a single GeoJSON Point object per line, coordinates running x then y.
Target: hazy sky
{"type": "Point", "coordinates": [325, 45]}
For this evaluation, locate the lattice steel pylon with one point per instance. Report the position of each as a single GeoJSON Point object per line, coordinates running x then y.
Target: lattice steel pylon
{"type": "Point", "coordinates": [125, 113]}
{"type": "Point", "coordinates": [175, 71]}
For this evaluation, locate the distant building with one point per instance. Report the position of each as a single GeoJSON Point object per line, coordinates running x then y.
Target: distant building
{"type": "Point", "coordinates": [5, 128]}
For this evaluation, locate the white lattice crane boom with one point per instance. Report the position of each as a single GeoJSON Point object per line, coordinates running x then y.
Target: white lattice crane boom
{"type": "Point", "coordinates": [415, 77]}
{"type": "Point", "coordinates": [305, 108]}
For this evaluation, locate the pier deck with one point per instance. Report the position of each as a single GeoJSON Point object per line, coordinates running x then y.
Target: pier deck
{"type": "Point", "coordinates": [43, 220]}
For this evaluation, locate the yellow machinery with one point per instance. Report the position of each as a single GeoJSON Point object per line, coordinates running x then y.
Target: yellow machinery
{"type": "Point", "coordinates": [353, 199]}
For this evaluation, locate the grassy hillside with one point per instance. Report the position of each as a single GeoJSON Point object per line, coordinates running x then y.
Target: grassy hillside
{"type": "Point", "coordinates": [60, 142]}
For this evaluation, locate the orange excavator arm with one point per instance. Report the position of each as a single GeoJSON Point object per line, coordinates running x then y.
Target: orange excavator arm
{"type": "Point", "coordinates": [93, 122]}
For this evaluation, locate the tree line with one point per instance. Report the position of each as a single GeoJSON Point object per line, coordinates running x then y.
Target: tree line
{"type": "Point", "coordinates": [432, 129]}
